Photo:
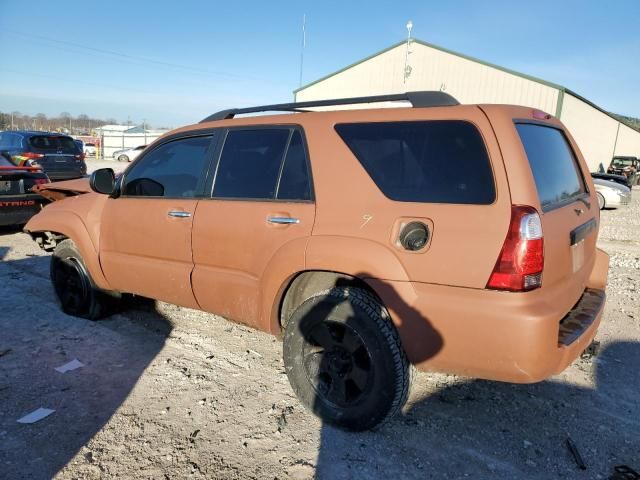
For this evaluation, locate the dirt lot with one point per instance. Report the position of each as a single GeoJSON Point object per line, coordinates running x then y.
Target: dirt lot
{"type": "Point", "coordinates": [168, 392]}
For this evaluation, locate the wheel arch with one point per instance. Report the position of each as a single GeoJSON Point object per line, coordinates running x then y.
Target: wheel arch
{"type": "Point", "coordinates": [359, 260]}
{"type": "Point", "coordinates": [309, 282]}
{"type": "Point", "coordinates": [59, 224]}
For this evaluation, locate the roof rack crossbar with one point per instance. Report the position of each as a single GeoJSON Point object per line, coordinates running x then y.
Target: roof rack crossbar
{"type": "Point", "coordinates": [417, 99]}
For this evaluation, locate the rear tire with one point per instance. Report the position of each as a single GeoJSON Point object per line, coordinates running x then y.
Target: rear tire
{"type": "Point", "coordinates": [76, 291]}
{"type": "Point", "coordinates": [601, 202]}
{"type": "Point", "coordinates": [344, 359]}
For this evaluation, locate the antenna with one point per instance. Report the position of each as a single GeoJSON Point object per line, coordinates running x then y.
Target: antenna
{"type": "Point", "coordinates": [304, 43]}
{"type": "Point", "coordinates": [407, 67]}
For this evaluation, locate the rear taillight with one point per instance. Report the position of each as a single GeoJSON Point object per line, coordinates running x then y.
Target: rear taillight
{"type": "Point", "coordinates": [26, 156]}
{"type": "Point", "coordinates": [519, 266]}
{"type": "Point", "coordinates": [79, 157]}
{"type": "Point", "coordinates": [40, 181]}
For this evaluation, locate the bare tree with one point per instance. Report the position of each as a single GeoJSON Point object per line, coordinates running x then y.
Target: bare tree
{"type": "Point", "coordinates": [79, 125]}
{"type": "Point", "coordinates": [41, 121]}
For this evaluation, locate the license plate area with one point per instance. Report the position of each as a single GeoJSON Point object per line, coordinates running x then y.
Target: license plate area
{"type": "Point", "coordinates": [576, 242]}
{"type": "Point", "coordinates": [8, 187]}
{"type": "Point", "coordinates": [577, 256]}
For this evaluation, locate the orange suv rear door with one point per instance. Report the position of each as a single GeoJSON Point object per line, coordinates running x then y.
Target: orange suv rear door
{"type": "Point", "coordinates": [261, 208]}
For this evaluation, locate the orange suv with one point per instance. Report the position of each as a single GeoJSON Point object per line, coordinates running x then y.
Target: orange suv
{"type": "Point", "coordinates": [456, 238]}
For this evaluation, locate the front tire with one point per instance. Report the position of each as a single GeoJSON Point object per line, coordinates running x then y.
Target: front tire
{"type": "Point", "coordinates": [76, 291]}
{"type": "Point", "coordinates": [601, 202]}
{"type": "Point", "coordinates": [123, 158]}
{"type": "Point", "coordinates": [344, 359]}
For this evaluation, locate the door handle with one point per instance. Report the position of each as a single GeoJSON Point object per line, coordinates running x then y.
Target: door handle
{"type": "Point", "coordinates": [179, 214]}
{"type": "Point", "coordinates": [283, 220]}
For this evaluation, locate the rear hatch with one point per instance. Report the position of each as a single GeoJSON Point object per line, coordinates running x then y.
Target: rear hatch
{"type": "Point", "coordinates": [60, 154]}
{"type": "Point", "coordinates": [569, 213]}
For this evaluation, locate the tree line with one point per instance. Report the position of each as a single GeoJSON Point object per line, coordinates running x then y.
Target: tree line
{"type": "Point", "coordinates": [631, 121]}
{"type": "Point", "coordinates": [65, 122]}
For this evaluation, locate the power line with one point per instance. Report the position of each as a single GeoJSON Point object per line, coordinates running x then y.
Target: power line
{"type": "Point", "coordinates": [133, 57]}
{"type": "Point", "coordinates": [70, 80]}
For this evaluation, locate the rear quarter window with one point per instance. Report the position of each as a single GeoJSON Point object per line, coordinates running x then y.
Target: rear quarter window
{"type": "Point", "coordinates": [430, 162]}
{"type": "Point", "coordinates": [555, 169]}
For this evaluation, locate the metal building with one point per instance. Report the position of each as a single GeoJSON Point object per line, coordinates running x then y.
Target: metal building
{"type": "Point", "coordinates": [119, 137]}
{"type": "Point", "coordinates": [417, 65]}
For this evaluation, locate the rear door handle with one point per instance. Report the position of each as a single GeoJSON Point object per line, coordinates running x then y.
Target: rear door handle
{"type": "Point", "coordinates": [179, 214]}
{"type": "Point", "coordinates": [283, 220]}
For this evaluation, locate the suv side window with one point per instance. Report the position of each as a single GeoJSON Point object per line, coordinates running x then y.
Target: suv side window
{"type": "Point", "coordinates": [294, 182]}
{"type": "Point", "coordinates": [175, 169]}
{"type": "Point", "coordinates": [438, 161]}
{"type": "Point", "coordinates": [263, 164]}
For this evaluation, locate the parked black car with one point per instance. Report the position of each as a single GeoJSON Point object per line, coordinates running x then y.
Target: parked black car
{"type": "Point", "coordinates": [17, 203]}
{"type": "Point", "coordinates": [621, 179]}
{"type": "Point", "coordinates": [58, 154]}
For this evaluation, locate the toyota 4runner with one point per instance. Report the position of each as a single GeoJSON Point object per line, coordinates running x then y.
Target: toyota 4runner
{"type": "Point", "coordinates": [456, 238]}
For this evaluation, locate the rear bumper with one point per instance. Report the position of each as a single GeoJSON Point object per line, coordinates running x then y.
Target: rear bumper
{"type": "Point", "coordinates": [61, 173]}
{"type": "Point", "coordinates": [512, 337]}
{"type": "Point", "coordinates": [17, 210]}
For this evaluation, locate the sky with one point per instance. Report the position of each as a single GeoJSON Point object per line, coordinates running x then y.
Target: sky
{"type": "Point", "coordinates": [174, 63]}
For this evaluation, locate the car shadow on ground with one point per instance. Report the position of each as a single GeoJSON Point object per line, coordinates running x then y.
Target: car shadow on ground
{"type": "Point", "coordinates": [455, 428]}
{"type": "Point", "coordinates": [37, 337]}
{"type": "Point", "coordinates": [483, 429]}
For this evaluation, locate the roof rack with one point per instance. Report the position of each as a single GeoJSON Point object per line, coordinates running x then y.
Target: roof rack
{"type": "Point", "coordinates": [417, 99]}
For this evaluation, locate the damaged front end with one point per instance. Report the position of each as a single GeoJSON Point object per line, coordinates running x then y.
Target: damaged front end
{"type": "Point", "coordinates": [61, 190]}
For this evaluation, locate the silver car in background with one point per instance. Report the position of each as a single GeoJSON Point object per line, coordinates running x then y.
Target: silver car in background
{"type": "Point", "coordinates": [611, 194]}
{"type": "Point", "coordinates": [128, 154]}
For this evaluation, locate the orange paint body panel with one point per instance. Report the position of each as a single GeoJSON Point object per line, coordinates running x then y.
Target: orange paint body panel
{"type": "Point", "coordinates": [234, 246]}
{"type": "Point", "coordinates": [228, 258]}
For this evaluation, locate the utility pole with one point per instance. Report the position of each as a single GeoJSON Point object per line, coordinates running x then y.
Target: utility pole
{"type": "Point", "coordinates": [304, 43]}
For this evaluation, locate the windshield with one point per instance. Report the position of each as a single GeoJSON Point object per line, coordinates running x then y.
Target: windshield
{"type": "Point", "coordinates": [622, 162]}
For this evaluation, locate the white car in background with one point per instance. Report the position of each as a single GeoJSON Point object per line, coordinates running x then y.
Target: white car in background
{"type": "Point", "coordinates": [128, 154]}
{"type": "Point", "coordinates": [611, 194]}
{"type": "Point", "coordinates": [90, 149]}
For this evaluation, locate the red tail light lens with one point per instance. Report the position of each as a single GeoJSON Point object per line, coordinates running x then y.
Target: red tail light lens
{"type": "Point", "coordinates": [521, 261]}
{"type": "Point", "coordinates": [79, 157]}
{"type": "Point", "coordinates": [40, 181]}
{"type": "Point", "coordinates": [29, 155]}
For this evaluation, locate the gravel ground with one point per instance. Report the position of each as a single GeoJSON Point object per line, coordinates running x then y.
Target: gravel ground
{"type": "Point", "coordinates": [168, 392]}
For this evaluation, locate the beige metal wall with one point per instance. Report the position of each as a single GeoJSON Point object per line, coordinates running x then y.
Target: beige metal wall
{"type": "Point", "coordinates": [433, 69]}
{"type": "Point", "coordinates": [594, 131]}
{"type": "Point", "coordinates": [628, 142]}
{"type": "Point", "coordinates": [472, 81]}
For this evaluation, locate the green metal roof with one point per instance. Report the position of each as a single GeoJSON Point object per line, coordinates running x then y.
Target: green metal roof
{"type": "Point", "coordinates": [561, 90]}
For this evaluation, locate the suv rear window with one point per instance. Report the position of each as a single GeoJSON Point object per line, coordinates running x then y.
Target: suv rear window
{"type": "Point", "coordinates": [432, 162]}
{"type": "Point", "coordinates": [51, 143]}
{"type": "Point", "coordinates": [553, 165]}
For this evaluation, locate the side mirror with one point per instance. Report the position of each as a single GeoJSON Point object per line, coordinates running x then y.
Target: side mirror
{"type": "Point", "coordinates": [103, 181]}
